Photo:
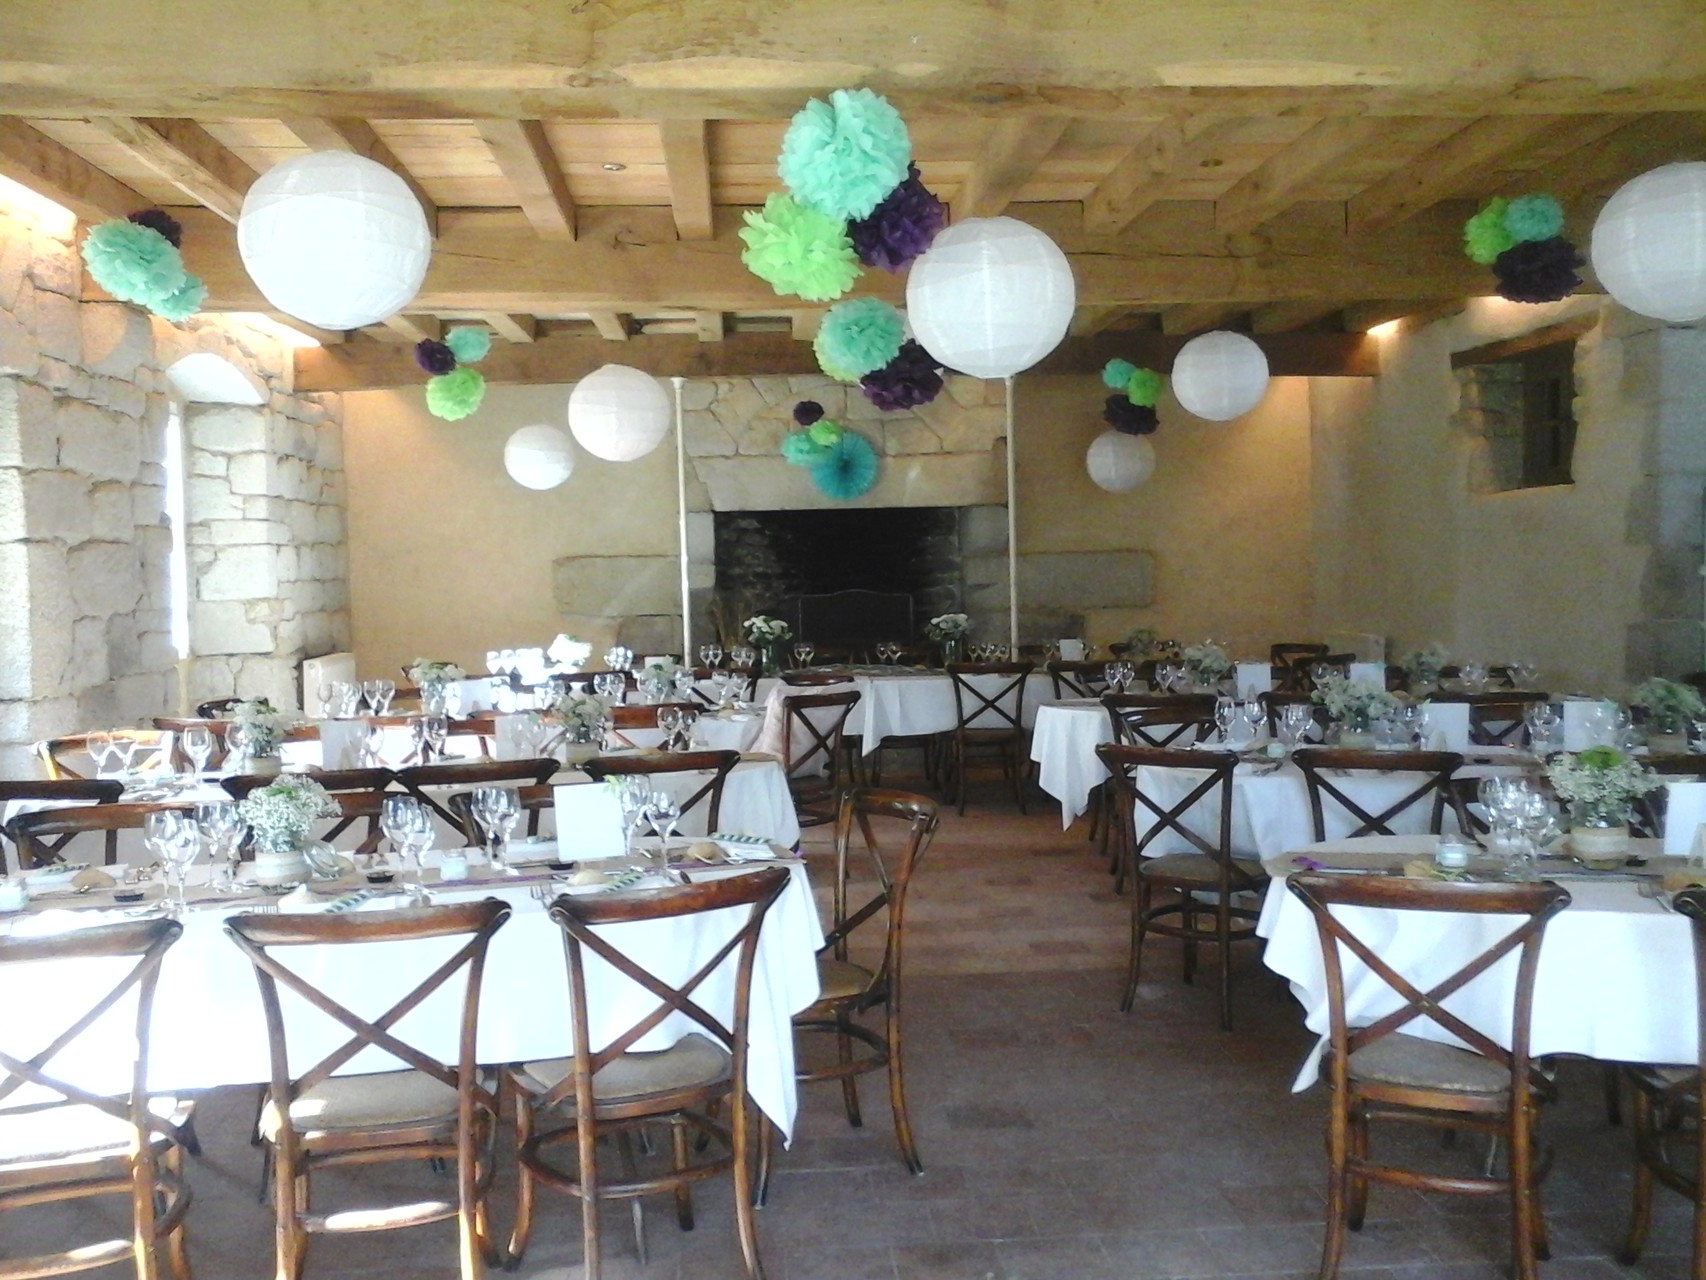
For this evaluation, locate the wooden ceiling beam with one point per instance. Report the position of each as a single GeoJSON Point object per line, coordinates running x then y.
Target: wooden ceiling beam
{"type": "Point", "coordinates": [687, 166]}
{"type": "Point", "coordinates": [1611, 160]}
{"type": "Point", "coordinates": [612, 326]}
{"type": "Point", "coordinates": [1087, 322]}
{"type": "Point", "coordinates": [351, 133]}
{"type": "Point", "coordinates": [1360, 317]}
{"type": "Point", "coordinates": [413, 328]}
{"type": "Point", "coordinates": [1145, 174]}
{"type": "Point", "coordinates": [523, 151]}
{"type": "Point", "coordinates": [1009, 159]}
{"type": "Point", "coordinates": [32, 159]}
{"type": "Point", "coordinates": [186, 155]}
{"type": "Point", "coordinates": [1443, 170]}
{"type": "Point", "coordinates": [710, 325]}
{"type": "Point", "coordinates": [1199, 317]}
{"type": "Point", "coordinates": [1282, 317]}
{"type": "Point", "coordinates": [510, 328]}
{"type": "Point", "coordinates": [1273, 186]}
{"type": "Point", "coordinates": [802, 325]}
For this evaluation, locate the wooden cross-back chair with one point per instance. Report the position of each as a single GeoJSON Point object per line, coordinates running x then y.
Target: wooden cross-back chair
{"type": "Point", "coordinates": [66, 1143]}
{"type": "Point", "coordinates": [430, 1110]}
{"type": "Point", "coordinates": [719, 764]}
{"type": "Point", "coordinates": [1202, 880]}
{"type": "Point", "coordinates": [1290, 663]}
{"type": "Point", "coordinates": [358, 793]}
{"type": "Point", "coordinates": [483, 729]}
{"type": "Point", "coordinates": [1325, 768]}
{"type": "Point", "coordinates": [1078, 679]}
{"type": "Point", "coordinates": [418, 778]}
{"type": "Point", "coordinates": [46, 835]}
{"type": "Point", "coordinates": [989, 722]}
{"type": "Point", "coordinates": [533, 799]}
{"type": "Point", "coordinates": [812, 728]}
{"type": "Point", "coordinates": [849, 988]}
{"type": "Point", "coordinates": [625, 718]}
{"type": "Point", "coordinates": [1378, 1072]}
{"type": "Point", "coordinates": [609, 1086]}
{"type": "Point", "coordinates": [154, 751]}
{"type": "Point", "coordinates": [56, 793]}
{"type": "Point", "coordinates": [1495, 719]}
{"type": "Point", "coordinates": [1160, 719]}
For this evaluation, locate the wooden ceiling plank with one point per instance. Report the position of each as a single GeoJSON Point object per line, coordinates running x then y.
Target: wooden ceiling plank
{"type": "Point", "coordinates": [1199, 317]}
{"type": "Point", "coordinates": [413, 328]}
{"type": "Point", "coordinates": [1275, 185]}
{"type": "Point", "coordinates": [32, 159]}
{"type": "Point", "coordinates": [803, 324]}
{"type": "Point", "coordinates": [710, 325]}
{"type": "Point", "coordinates": [612, 326]}
{"type": "Point", "coordinates": [1441, 172]}
{"type": "Point", "coordinates": [511, 328]}
{"type": "Point", "coordinates": [187, 156]}
{"type": "Point", "coordinates": [1635, 147]}
{"type": "Point", "coordinates": [1087, 322]}
{"type": "Point", "coordinates": [352, 133]}
{"type": "Point", "coordinates": [1009, 159]}
{"type": "Point", "coordinates": [1282, 317]}
{"type": "Point", "coordinates": [687, 164]}
{"type": "Point", "coordinates": [1145, 174]}
{"type": "Point", "coordinates": [522, 150]}
{"type": "Point", "coordinates": [1360, 317]}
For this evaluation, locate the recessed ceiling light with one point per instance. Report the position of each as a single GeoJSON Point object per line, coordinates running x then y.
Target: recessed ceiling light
{"type": "Point", "coordinates": [611, 166]}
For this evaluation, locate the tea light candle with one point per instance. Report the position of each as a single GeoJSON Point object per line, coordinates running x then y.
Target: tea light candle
{"type": "Point", "coordinates": [453, 866]}
{"type": "Point", "coordinates": [1452, 853]}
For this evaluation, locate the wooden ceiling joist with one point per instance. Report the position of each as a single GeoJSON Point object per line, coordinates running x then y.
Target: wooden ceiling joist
{"type": "Point", "coordinates": [687, 165]}
{"type": "Point", "coordinates": [523, 152]}
{"type": "Point", "coordinates": [710, 325]}
{"type": "Point", "coordinates": [510, 328]}
{"type": "Point", "coordinates": [1275, 185]}
{"type": "Point", "coordinates": [1199, 317]}
{"type": "Point", "coordinates": [32, 159]}
{"type": "Point", "coordinates": [1009, 159]}
{"type": "Point", "coordinates": [1282, 317]}
{"type": "Point", "coordinates": [409, 328]}
{"type": "Point", "coordinates": [1144, 175]}
{"type": "Point", "coordinates": [186, 155]}
{"type": "Point", "coordinates": [348, 133]}
{"type": "Point", "coordinates": [612, 326]}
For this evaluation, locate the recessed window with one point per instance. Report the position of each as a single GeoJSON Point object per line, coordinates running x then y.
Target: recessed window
{"type": "Point", "coordinates": [1519, 396]}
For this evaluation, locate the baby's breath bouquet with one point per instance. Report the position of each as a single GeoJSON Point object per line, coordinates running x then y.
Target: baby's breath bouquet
{"type": "Point", "coordinates": [1354, 703]}
{"type": "Point", "coordinates": [281, 814]}
{"type": "Point", "coordinates": [762, 629]}
{"type": "Point", "coordinates": [580, 715]}
{"type": "Point", "coordinates": [258, 727]}
{"type": "Point", "coordinates": [423, 672]}
{"type": "Point", "coordinates": [1670, 704]}
{"type": "Point", "coordinates": [1600, 784]}
{"type": "Point", "coordinates": [1425, 664]}
{"type": "Point", "coordinates": [1208, 662]}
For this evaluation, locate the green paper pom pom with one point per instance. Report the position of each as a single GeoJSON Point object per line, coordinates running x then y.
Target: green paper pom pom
{"type": "Point", "coordinates": [843, 156]}
{"type": "Point", "coordinates": [797, 250]}
{"type": "Point", "coordinates": [1144, 387]}
{"type": "Point", "coordinates": [801, 450]}
{"type": "Point", "coordinates": [1485, 236]}
{"type": "Point", "coordinates": [857, 337]}
{"type": "Point", "coordinates": [181, 303]}
{"type": "Point", "coordinates": [1116, 373]}
{"type": "Point", "coordinates": [132, 262]}
{"type": "Point", "coordinates": [1534, 218]}
{"type": "Point", "coordinates": [455, 395]}
{"type": "Point", "coordinates": [824, 432]}
{"type": "Point", "coordinates": [469, 342]}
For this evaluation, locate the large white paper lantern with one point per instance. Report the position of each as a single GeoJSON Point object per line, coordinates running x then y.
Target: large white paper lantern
{"type": "Point", "coordinates": [618, 413]}
{"type": "Point", "coordinates": [990, 297]}
{"type": "Point", "coordinates": [1649, 243]}
{"type": "Point", "coordinates": [538, 457]}
{"type": "Point", "coordinates": [1220, 376]}
{"type": "Point", "coordinates": [1119, 462]}
{"type": "Point", "coordinates": [335, 239]}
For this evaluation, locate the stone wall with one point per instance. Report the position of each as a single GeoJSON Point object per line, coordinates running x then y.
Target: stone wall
{"type": "Point", "coordinates": [85, 543]}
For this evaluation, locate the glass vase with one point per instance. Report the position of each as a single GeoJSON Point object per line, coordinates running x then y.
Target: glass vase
{"type": "Point", "coordinates": [433, 697]}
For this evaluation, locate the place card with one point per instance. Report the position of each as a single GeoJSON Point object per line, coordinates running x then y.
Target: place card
{"type": "Point", "coordinates": [1685, 811]}
{"type": "Point", "coordinates": [1448, 726]}
{"type": "Point", "coordinates": [589, 822]}
{"type": "Point", "coordinates": [1253, 678]}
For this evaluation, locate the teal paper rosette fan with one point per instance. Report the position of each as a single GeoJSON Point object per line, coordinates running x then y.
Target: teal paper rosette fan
{"type": "Point", "coordinates": [848, 468]}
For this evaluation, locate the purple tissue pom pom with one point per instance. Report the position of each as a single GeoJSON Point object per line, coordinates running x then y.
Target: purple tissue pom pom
{"type": "Point", "coordinates": [807, 412]}
{"type": "Point", "coordinates": [1538, 270]}
{"type": "Point", "coordinates": [163, 222]}
{"type": "Point", "coordinates": [912, 378]}
{"type": "Point", "coordinates": [434, 357]}
{"type": "Point", "coordinates": [901, 227]}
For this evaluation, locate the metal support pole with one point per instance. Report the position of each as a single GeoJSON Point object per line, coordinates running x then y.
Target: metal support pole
{"type": "Point", "coordinates": [1012, 529]}
{"type": "Point", "coordinates": [681, 508]}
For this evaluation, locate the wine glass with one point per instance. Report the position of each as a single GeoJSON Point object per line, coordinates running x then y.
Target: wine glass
{"type": "Point", "coordinates": [172, 838]}
{"type": "Point", "coordinates": [437, 731]}
{"type": "Point", "coordinates": [669, 720]}
{"type": "Point", "coordinates": [663, 811]}
{"type": "Point", "coordinates": [100, 749]}
{"type": "Point", "coordinates": [408, 826]}
{"type": "Point", "coordinates": [743, 656]}
{"type": "Point", "coordinates": [684, 734]}
{"type": "Point", "coordinates": [1112, 674]}
{"type": "Point", "coordinates": [1474, 676]}
{"type": "Point", "coordinates": [710, 654]}
{"type": "Point", "coordinates": [378, 694]}
{"type": "Point", "coordinates": [685, 684]}
{"type": "Point", "coordinates": [1225, 712]}
{"type": "Point", "coordinates": [633, 792]}
{"type": "Point", "coordinates": [803, 654]}
{"type": "Point", "coordinates": [222, 827]}
{"type": "Point", "coordinates": [608, 685]}
{"type": "Point", "coordinates": [373, 747]}
{"type": "Point", "coordinates": [197, 742]}
{"type": "Point", "coordinates": [496, 809]}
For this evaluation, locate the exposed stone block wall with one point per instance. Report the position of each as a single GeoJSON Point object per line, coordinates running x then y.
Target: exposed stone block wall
{"type": "Point", "coordinates": [85, 629]}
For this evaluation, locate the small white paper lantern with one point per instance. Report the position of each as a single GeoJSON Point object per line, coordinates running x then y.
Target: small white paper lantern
{"type": "Point", "coordinates": [335, 239]}
{"type": "Point", "coordinates": [538, 457]}
{"type": "Point", "coordinates": [991, 296]}
{"type": "Point", "coordinates": [1220, 376]}
{"type": "Point", "coordinates": [1649, 243]}
{"type": "Point", "coordinates": [1119, 462]}
{"type": "Point", "coordinates": [619, 414]}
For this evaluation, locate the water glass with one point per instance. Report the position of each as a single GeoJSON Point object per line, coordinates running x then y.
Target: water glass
{"type": "Point", "coordinates": [743, 656]}
{"type": "Point", "coordinates": [171, 836]}
{"type": "Point", "coordinates": [1225, 712]}
{"type": "Point", "coordinates": [689, 717]}
{"type": "Point", "coordinates": [669, 720]}
{"type": "Point", "coordinates": [685, 684]}
{"type": "Point", "coordinates": [663, 811]}
{"type": "Point", "coordinates": [1474, 676]}
{"type": "Point", "coordinates": [197, 742]}
{"type": "Point", "coordinates": [496, 809]}
{"type": "Point", "coordinates": [222, 829]}
{"type": "Point", "coordinates": [710, 654]}
{"type": "Point", "coordinates": [619, 658]}
{"type": "Point", "coordinates": [407, 824]}
{"type": "Point", "coordinates": [378, 694]}
{"type": "Point", "coordinates": [633, 793]}
{"type": "Point", "coordinates": [803, 654]}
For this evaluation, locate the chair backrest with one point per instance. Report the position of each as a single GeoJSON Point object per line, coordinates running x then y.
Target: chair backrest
{"type": "Point", "coordinates": [812, 742]}
{"type": "Point", "coordinates": [813, 679]}
{"type": "Point", "coordinates": [1002, 710]}
{"type": "Point", "coordinates": [260, 936]}
{"type": "Point", "coordinates": [68, 756]}
{"type": "Point", "coordinates": [719, 764]}
{"type": "Point", "coordinates": [1535, 903]}
{"type": "Point", "coordinates": [176, 725]}
{"type": "Point", "coordinates": [872, 810]}
{"type": "Point", "coordinates": [215, 707]}
{"type": "Point", "coordinates": [1326, 768]}
{"type": "Point", "coordinates": [358, 793]}
{"type": "Point", "coordinates": [1160, 719]}
{"type": "Point", "coordinates": [581, 919]}
{"type": "Point", "coordinates": [1285, 652]}
{"type": "Point", "coordinates": [43, 836]}
{"type": "Point", "coordinates": [1495, 719]}
{"type": "Point", "coordinates": [533, 799]}
{"type": "Point", "coordinates": [62, 791]}
{"type": "Point", "coordinates": [469, 773]}
{"type": "Point", "coordinates": [1208, 831]}
{"type": "Point", "coordinates": [1078, 679]}
{"type": "Point", "coordinates": [1275, 701]}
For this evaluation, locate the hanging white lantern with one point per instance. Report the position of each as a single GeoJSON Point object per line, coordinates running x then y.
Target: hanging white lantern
{"type": "Point", "coordinates": [1220, 376]}
{"type": "Point", "coordinates": [1649, 243]}
{"type": "Point", "coordinates": [990, 297]}
{"type": "Point", "coordinates": [1119, 462]}
{"type": "Point", "coordinates": [618, 413]}
{"type": "Point", "coordinates": [335, 239]}
{"type": "Point", "coordinates": [538, 457]}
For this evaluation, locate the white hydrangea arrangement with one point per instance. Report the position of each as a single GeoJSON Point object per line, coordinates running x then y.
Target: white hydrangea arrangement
{"type": "Point", "coordinates": [762, 629]}
{"type": "Point", "coordinates": [569, 653]}
{"type": "Point", "coordinates": [421, 671]}
{"type": "Point", "coordinates": [1670, 704]}
{"type": "Point", "coordinates": [947, 626]}
{"type": "Point", "coordinates": [1425, 664]}
{"type": "Point", "coordinates": [1353, 701]}
{"type": "Point", "coordinates": [1207, 661]}
{"type": "Point", "coordinates": [259, 727]}
{"type": "Point", "coordinates": [282, 813]}
{"type": "Point", "coordinates": [1600, 784]}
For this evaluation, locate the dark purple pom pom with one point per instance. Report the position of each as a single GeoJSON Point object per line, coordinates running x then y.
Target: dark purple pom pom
{"type": "Point", "coordinates": [807, 412]}
{"type": "Point", "coordinates": [161, 221]}
{"type": "Point", "coordinates": [912, 378]}
{"type": "Point", "coordinates": [1133, 419]}
{"type": "Point", "coordinates": [1538, 270]}
{"type": "Point", "coordinates": [901, 227]}
{"type": "Point", "coordinates": [434, 357]}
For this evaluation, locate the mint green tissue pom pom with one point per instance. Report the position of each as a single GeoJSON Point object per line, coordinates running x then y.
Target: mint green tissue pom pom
{"type": "Point", "coordinates": [1117, 373]}
{"type": "Point", "coordinates": [181, 303]}
{"type": "Point", "coordinates": [824, 432]}
{"type": "Point", "coordinates": [857, 337]}
{"type": "Point", "coordinates": [795, 249]}
{"type": "Point", "coordinates": [1485, 236]}
{"type": "Point", "coordinates": [800, 449]}
{"type": "Point", "coordinates": [843, 156]}
{"type": "Point", "coordinates": [1143, 388]}
{"type": "Point", "coordinates": [455, 395]}
{"type": "Point", "coordinates": [132, 262]}
{"type": "Point", "coordinates": [469, 343]}
{"type": "Point", "coordinates": [1534, 218]}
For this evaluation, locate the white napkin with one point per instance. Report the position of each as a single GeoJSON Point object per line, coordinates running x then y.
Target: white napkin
{"type": "Point", "coordinates": [340, 743]}
{"type": "Point", "coordinates": [1685, 812]}
{"type": "Point", "coordinates": [589, 822]}
{"type": "Point", "coordinates": [1254, 677]}
{"type": "Point", "coordinates": [1448, 726]}
{"type": "Point", "coordinates": [1072, 651]}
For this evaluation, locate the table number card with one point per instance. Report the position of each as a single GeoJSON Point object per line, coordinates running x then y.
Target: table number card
{"type": "Point", "coordinates": [1685, 811]}
{"type": "Point", "coordinates": [1253, 678]}
{"type": "Point", "coordinates": [589, 822]}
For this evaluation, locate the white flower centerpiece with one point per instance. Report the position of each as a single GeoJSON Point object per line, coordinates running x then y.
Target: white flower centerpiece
{"type": "Point", "coordinates": [256, 732]}
{"type": "Point", "coordinates": [280, 816]}
{"type": "Point", "coordinates": [1424, 666]}
{"type": "Point", "coordinates": [949, 630]}
{"type": "Point", "coordinates": [1670, 706]}
{"type": "Point", "coordinates": [1600, 785]}
{"type": "Point", "coordinates": [768, 635]}
{"type": "Point", "coordinates": [579, 718]}
{"type": "Point", "coordinates": [1207, 662]}
{"type": "Point", "coordinates": [1356, 705]}
{"type": "Point", "coordinates": [569, 653]}
{"type": "Point", "coordinates": [433, 679]}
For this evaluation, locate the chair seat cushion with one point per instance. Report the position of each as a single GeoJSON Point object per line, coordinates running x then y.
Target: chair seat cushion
{"type": "Point", "coordinates": [74, 1130]}
{"type": "Point", "coordinates": [840, 979]}
{"type": "Point", "coordinates": [391, 1099]}
{"type": "Point", "coordinates": [1409, 1060]}
{"type": "Point", "coordinates": [1196, 868]}
{"type": "Point", "coordinates": [694, 1061]}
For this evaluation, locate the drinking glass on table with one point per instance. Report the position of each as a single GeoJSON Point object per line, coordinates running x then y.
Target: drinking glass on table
{"type": "Point", "coordinates": [173, 839]}
{"type": "Point", "coordinates": [633, 792]}
{"type": "Point", "coordinates": [609, 685]}
{"type": "Point", "coordinates": [437, 732]}
{"type": "Point", "coordinates": [1541, 720]}
{"type": "Point", "coordinates": [1474, 676]}
{"type": "Point", "coordinates": [685, 684]}
{"type": "Point", "coordinates": [197, 741]}
{"type": "Point", "coordinates": [803, 653]}
{"type": "Point", "coordinates": [743, 656]}
{"type": "Point", "coordinates": [222, 829]}
{"type": "Point", "coordinates": [378, 694]}
{"type": "Point", "coordinates": [408, 826]}
{"type": "Point", "coordinates": [710, 654]}
{"type": "Point", "coordinates": [325, 692]}
{"type": "Point", "coordinates": [669, 720]}
{"type": "Point", "coordinates": [496, 809]}
{"type": "Point", "coordinates": [1225, 713]}
{"type": "Point", "coordinates": [684, 735]}
{"type": "Point", "coordinates": [663, 811]}
{"type": "Point", "coordinates": [100, 749]}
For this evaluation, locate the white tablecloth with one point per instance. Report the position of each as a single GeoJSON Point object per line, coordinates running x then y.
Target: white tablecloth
{"type": "Point", "coordinates": [1063, 743]}
{"type": "Point", "coordinates": [208, 1027]}
{"type": "Point", "coordinates": [1615, 982]}
{"type": "Point", "coordinates": [909, 703]}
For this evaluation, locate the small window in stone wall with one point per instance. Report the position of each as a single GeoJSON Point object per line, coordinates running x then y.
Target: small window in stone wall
{"type": "Point", "coordinates": [1519, 396]}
